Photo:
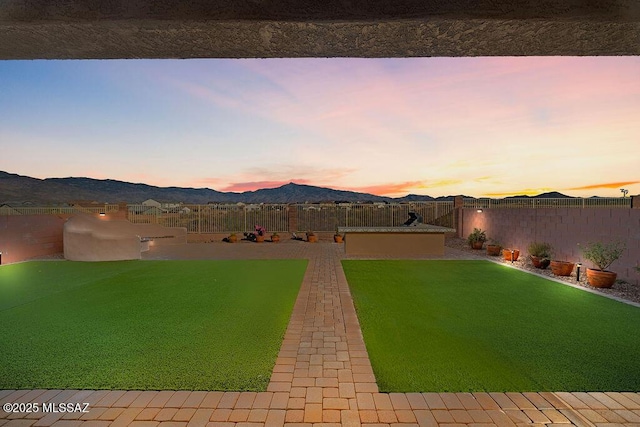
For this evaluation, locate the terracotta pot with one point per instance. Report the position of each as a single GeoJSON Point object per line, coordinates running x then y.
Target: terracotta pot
{"type": "Point", "coordinates": [259, 238]}
{"type": "Point", "coordinates": [601, 278]}
{"type": "Point", "coordinates": [493, 250]}
{"type": "Point", "coordinates": [312, 238]}
{"type": "Point", "coordinates": [337, 238]}
{"type": "Point", "coordinates": [275, 239]}
{"type": "Point", "coordinates": [540, 262]}
{"type": "Point", "coordinates": [477, 245]}
{"type": "Point", "coordinates": [506, 254]}
{"type": "Point", "coordinates": [562, 268]}
{"type": "Point", "coordinates": [233, 238]}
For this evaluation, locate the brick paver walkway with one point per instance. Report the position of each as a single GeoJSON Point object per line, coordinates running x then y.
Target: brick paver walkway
{"type": "Point", "coordinates": [322, 376]}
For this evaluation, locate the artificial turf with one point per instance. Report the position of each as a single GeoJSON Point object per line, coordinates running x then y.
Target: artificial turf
{"type": "Point", "coordinates": [460, 326]}
{"type": "Point", "coordinates": [144, 325]}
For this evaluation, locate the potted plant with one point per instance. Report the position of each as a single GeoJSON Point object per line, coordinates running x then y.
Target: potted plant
{"type": "Point", "coordinates": [311, 237]}
{"type": "Point", "coordinates": [493, 248]}
{"type": "Point", "coordinates": [602, 255]}
{"type": "Point", "coordinates": [561, 268]}
{"type": "Point", "coordinates": [540, 254]}
{"type": "Point", "coordinates": [260, 232]}
{"type": "Point", "coordinates": [510, 254]}
{"type": "Point", "coordinates": [275, 237]}
{"type": "Point", "coordinates": [477, 238]}
{"type": "Point", "coordinates": [232, 238]}
{"type": "Point", "coordinates": [337, 237]}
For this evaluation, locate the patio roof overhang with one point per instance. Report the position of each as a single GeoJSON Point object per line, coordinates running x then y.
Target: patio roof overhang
{"type": "Point", "coordinates": [80, 29]}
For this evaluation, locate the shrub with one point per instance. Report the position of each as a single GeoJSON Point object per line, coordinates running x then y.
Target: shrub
{"type": "Point", "coordinates": [603, 254]}
{"type": "Point", "coordinates": [494, 243]}
{"type": "Point", "coordinates": [540, 249]}
{"type": "Point", "coordinates": [477, 236]}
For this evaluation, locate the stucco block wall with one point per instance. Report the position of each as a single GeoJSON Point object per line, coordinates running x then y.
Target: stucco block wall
{"type": "Point", "coordinates": [394, 245]}
{"type": "Point", "coordinates": [564, 228]}
{"type": "Point", "coordinates": [27, 236]}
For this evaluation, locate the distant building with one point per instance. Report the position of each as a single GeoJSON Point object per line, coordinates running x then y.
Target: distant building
{"type": "Point", "coordinates": [151, 202]}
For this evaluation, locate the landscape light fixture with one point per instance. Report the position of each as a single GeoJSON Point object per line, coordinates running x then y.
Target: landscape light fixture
{"type": "Point", "coordinates": [102, 214]}
{"type": "Point", "coordinates": [479, 210]}
{"type": "Point", "coordinates": [0, 257]}
{"type": "Point", "coordinates": [578, 265]}
{"type": "Point", "coordinates": [512, 251]}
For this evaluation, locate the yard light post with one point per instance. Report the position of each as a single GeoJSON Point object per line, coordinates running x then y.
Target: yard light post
{"type": "Point", "coordinates": [578, 265]}
{"type": "Point", "coordinates": [0, 257]}
{"type": "Point", "coordinates": [512, 256]}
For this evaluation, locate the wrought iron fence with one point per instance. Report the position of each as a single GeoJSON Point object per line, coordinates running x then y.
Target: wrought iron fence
{"type": "Point", "coordinates": [593, 202]}
{"type": "Point", "coordinates": [328, 217]}
{"type": "Point", "coordinates": [275, 217]}
{"type": "Point", "coordinates": [321, 217]}
{"type": "Point", "coordinates": [214, 218]}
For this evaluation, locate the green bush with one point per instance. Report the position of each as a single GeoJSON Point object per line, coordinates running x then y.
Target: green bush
{"type": "Point", "coordinates": [540, 249]}
{"type": "Point", "coordinates": [603, 254]}
{"type": "Point", "coordinates": [477, 236]}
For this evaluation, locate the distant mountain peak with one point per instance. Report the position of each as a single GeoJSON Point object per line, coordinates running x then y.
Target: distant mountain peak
{"type": "Point", "coordinates": [16, 188]}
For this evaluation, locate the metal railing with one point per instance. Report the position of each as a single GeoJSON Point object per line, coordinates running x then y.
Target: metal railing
{"type": "Point", "coordinates": [321, 217]}
{"type": "Point", "coordinates": [593, 202]}
{"type": "Point", "coordinates": [328, 217]}
{"type": "Point", "coordinates": [214, 218]}
{"type": "Point", "coordinates": [275, 217]}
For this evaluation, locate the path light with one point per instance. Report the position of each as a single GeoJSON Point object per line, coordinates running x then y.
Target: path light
{"type": "Point", "coordinates": [512, 251]}
{"type": "Point", "coordinates": [0, 257]}
{"type": "Point", "coordinates": [578, 265]}
{"type": "Point", "coordinates": [479, 210]}
{"type": "Point", "coordinates": [102, 214]}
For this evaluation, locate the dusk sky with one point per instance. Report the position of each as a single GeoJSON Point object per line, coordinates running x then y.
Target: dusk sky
{"type": "Point", "coordinates": [437, 126]}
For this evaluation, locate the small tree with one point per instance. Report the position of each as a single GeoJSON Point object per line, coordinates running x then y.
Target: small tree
{"type": "Point", "coordinates": [603, 254]}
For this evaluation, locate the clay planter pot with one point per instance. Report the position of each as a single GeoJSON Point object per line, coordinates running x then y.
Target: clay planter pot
{"type": "Point", "coordinates": [312, 238]}
{"type": "Point", "coordinates": [337, 238]}
{"type": "Point", "coordinates": [562, 268]}
{"type": "Point", "coordinates": [259, 239]}
{"type": "Point", "coordinates": [232, 239]}
{"type": "Point", "coordinates": [601, 278]}
{"type": "Point", "coordinates": [493, 250]}
{"type": "Point", "coordinates": [275, 239]}
{"type": "Point", "coordinates": [540, 262]}
{"type": "Point", "coordinates": [476, 245]}
{"type": "Point", "coordinates": [506, 254]}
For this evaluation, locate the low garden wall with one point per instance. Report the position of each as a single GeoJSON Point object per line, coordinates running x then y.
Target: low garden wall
{"type": "Point", "coordinates": [27, 236]}
{"type": "Point", "coordinates": [564, 228]}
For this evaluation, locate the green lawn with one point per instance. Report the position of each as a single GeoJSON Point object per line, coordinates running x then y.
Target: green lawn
{"type": "Point", "coordinates": [196, 325]}
{"type": "Point", "coordinates": [477, 326]}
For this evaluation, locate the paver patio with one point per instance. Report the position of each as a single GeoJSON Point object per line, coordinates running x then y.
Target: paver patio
{"type": "Point", "coordinates": [322, 376]}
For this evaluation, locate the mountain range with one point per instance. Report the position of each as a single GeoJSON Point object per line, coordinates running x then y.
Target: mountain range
{"type": "Point", "coordinates": [18, 189]}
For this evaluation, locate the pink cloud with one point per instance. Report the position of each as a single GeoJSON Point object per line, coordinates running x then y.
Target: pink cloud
{"type": "Point", "coordinates": [390, 189]}
{"type": "Point", "coordinates": [605, 185]}
{"type": "Point", "coordinates": [393, 189]}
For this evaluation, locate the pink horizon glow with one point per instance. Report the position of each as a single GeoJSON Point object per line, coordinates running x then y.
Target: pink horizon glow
{"type": "Point", "coordinates": [432, 126]}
